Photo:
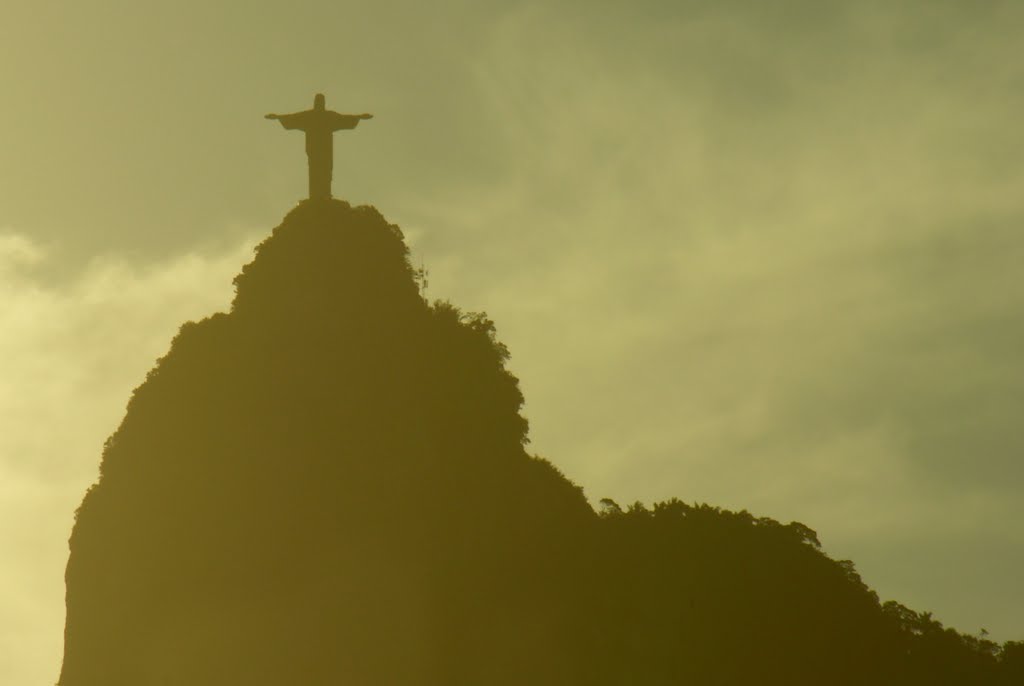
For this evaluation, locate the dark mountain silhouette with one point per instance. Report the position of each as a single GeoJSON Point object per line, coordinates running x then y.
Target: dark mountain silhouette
{"type": "Point", "coordinates": [329, 485]}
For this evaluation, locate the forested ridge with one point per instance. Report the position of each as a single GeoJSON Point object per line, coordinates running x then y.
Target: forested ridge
{"type": "Point", "coordinates": [331, 483]}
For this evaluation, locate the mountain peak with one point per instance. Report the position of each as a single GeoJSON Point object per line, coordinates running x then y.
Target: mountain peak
{"type": "Point", "coordinates": [328, 248]}
{"type": "Point", "coordinates": [329, 484]}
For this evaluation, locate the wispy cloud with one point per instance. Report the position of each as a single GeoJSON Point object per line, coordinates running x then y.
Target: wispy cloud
{"type": "Point", "coordinates": [767, 268]}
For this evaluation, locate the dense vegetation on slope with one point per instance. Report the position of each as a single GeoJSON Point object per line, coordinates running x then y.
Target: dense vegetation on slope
{"type": "Point", "coordinates": [329, 484]}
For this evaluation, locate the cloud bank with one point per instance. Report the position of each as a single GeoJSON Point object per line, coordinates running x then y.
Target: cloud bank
{"type": "Point", "coordinates": [69, 358]}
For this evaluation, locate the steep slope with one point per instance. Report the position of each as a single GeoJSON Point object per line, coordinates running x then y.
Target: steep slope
{"type": "Point", "coordinates": [329, 485]}
{"type": "Point", "coordinates": [327, 482]}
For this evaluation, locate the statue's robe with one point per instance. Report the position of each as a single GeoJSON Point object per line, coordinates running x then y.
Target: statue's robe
{"type": "Point", "coordinates": [319, 125]}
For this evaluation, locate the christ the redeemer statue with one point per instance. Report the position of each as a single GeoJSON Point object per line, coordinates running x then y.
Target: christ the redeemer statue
{"type": "Point", "coordinates": [319, 125]}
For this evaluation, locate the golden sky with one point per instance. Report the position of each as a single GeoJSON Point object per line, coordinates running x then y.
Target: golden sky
{"type": "Point", "coordinates": [761, 255]}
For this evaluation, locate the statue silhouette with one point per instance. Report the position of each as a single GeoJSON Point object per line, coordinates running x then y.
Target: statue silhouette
{"type": "Point", "coordinates": [319, 125]}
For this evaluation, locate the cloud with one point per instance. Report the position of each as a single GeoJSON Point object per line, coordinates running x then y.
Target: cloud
{"type": "Point", "coordinates": [759, 254]}
{"type": "Point", "coordinates": [767, 268]}
{"type": "Point", "coordinates": [69, 356]}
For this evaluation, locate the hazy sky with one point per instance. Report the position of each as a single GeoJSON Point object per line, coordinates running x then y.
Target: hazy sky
{"type": "Point", "coordinates": [761, 255]}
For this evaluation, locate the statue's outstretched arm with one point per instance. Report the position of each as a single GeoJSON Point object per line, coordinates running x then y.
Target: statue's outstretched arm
{"type": "Point", "coordinates": [272, 116]}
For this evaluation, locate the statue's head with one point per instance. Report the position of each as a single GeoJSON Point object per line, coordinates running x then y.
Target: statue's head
{"type": "Point", "coordinates": [319, 101]}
